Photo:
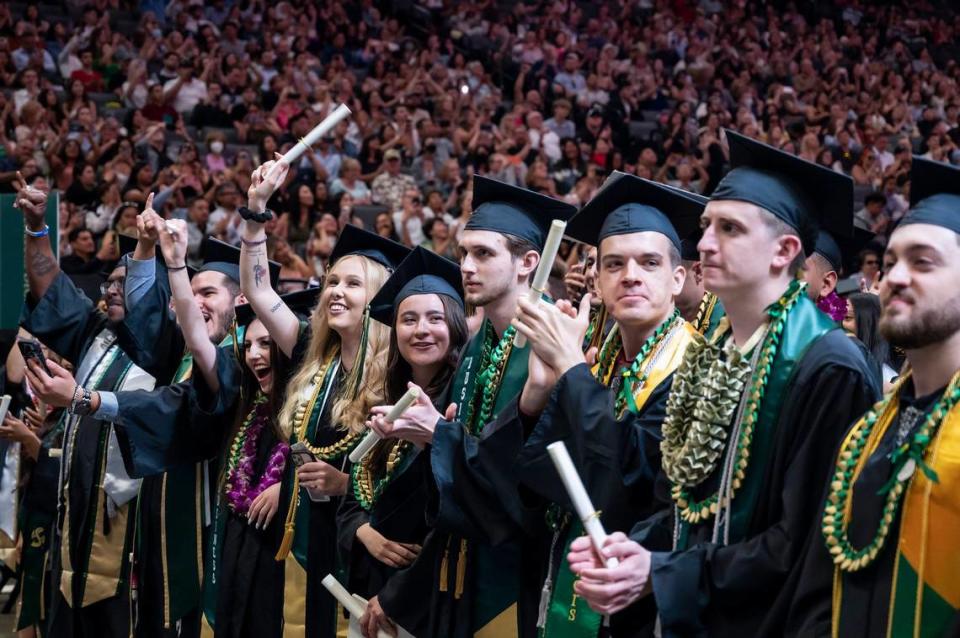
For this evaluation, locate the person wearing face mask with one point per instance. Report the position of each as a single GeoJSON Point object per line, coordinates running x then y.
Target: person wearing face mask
{"type": "Point", "coordinates": [381, 521]}
{"type": "Point", "coordinates": [214, 160]}
{"type": "Point", "coordinates": [885, 557]}
{"type": "Point", "coordinates": [90, 551]}
{"type": "Point", "coordinates": [339, 358]}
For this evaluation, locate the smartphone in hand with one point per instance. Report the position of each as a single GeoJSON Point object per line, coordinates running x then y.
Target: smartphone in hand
{"type": "Point", "coordinates": [30, 349]}
{"type": "Point", "coordinates": [301, 455]}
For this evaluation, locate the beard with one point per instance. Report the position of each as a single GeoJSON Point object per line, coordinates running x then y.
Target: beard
{"type": "Point", "coordinates": [489, 294]}
{"type": "Point", "coordinates": [927, 326]}
{"type": "Point", "coordinates": [221, 323]}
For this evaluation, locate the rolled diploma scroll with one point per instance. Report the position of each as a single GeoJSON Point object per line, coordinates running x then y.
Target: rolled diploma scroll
{"type": "Point", "coordinates": [581, 500]}
{"type": "Point", "coordinates": [321, 129]}
{"type": "Point", "coordinates": [372, 437]}
{"type": "Point", "coordinates": [353, 606]}
{"type": "Point", "coordinates": [547, 257]}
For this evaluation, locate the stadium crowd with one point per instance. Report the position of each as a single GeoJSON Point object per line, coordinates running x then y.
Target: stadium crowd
{"type": "Point", "coordinates": [109, 101]}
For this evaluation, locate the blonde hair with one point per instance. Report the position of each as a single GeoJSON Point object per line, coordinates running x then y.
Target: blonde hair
{"type": "Point", "coordinates": [366, 378]}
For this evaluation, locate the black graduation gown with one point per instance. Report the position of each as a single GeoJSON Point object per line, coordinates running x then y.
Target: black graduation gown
{"type": "Point", "coordinates": [865, 604]}
{"type": "Point", "coordinates": [398, 514]}
{"type": "Point", "coordinates": [163, 435]}
{"type": "Point", "coordinates": [249, 577]}
{"type": "Point", "coordinates": [745, 588]}
{"type": "Point", "coordinates": [67, 322]}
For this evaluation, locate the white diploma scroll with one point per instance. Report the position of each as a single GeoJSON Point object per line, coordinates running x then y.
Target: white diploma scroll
{"type": "Point", "coordinates": [354, 606]}
{"type": "Point", "coordinates": [303, 145]}
{"type": "Point", "coordinates": [581, 500]}
{"type": "Point", "coordinates": [372, 437]}
{"type": "Point", "coordinates": [547, 257]}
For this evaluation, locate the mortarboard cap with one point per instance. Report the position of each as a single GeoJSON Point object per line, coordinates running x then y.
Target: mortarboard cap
{"type": "Point", "coordinates": [841, 252]}
{"type": "Point", "coordinates": [804, 195]}
{"type": "Point", "coordinates": [356, 241]}
{"type": "Point", "coordinates": [516, 211]}
{"type": "Point", "coordinates": [934, 194]}
{"type": "Point", "coordinates": [300, 302]}
{"type": "Point", "coordinates": [628, 204]}
{"type": "Point", "coordinates": [422, 272]}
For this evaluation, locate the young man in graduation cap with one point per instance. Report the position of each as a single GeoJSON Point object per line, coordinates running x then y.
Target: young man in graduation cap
{"type": "Point", "coordinates": [885, 560]}
{"type": "Point", "coordinates": [479, 583]}
{"type": "Point", "coordinates": [823, 268]}
{"type": "Point", "coordinates": [91, 547]}
{"type": "Point", "coordinates": [609, 414]}
{"type": "Point", "coordinates": [697, 305]}
{"type": "Point", "coordinates": [752, 418]}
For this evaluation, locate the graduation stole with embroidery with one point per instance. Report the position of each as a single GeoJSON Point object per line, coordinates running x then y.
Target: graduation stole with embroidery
{"type": "Point", "coordinates": [925, 478]}
{"type": "Point", "coordinates": [562, 612]}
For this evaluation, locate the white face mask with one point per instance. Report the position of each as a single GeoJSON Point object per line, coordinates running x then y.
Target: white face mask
{"type": "Point", "coordinates": [216, 147]}
{"type": "Point", "coordinates": [122, 178]}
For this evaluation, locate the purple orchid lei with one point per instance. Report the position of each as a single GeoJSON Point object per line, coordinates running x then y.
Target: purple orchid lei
{"type": "Point", "coordinates": [834, 305]}
{"type": "Point", "coordinates": [239, 487]}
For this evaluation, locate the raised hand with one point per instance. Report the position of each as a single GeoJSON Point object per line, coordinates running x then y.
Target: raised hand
{"type": "Point", "coordinates": [555, 332]}
{"type": "Point", "coordinates": [264, 182]}
{"type": "Point", "coordinates": [149, 223]}
{"type": "Point", "coordinates": [173, 243]}
{"type": "Point", "coordinates": [32, 201]}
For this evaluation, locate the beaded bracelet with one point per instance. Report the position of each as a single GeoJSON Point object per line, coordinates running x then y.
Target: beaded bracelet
{"type": "Point", "coordinates": [251, 244]}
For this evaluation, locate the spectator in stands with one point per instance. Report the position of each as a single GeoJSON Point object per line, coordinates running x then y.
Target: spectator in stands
{"type": "Point", "coordinates": [391, 185]}
{"type": "Point", "coordinates": [872, 214]}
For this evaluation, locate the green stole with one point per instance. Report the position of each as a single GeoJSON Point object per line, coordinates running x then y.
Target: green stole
{"type": "Point", "coordinates": [496, 590]}
{"type": "Point", "coordinates": [805, 323]}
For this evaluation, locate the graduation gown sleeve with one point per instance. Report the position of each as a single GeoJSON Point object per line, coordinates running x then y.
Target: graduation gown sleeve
{"type": "Point", "coordinates": [476, 486]}
{"type": "Point", "coordinates": [179, 424]}
{"type": "Point", "coordinates": [611, 454]}
{"type": "Point", "coordinates": [149, 333]}
{"type": "Point", "coordinates": [744, 588]}
{"type": "Point", "coordinates": [64, 319]}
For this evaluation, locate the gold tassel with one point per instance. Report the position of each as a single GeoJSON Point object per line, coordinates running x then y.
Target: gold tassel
{"type": "Point", "coordinates": [290, 524]}
{"type": "Point", "coordinates": [600, 320]}
{"type": "Point", "coordinates": [461, 570]}
{"type": "Point", "coordinates": [445, 567]}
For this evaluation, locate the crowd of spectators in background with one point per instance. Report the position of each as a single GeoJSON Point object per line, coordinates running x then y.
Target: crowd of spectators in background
{"type": "Point", "coordinates": [109, 101]}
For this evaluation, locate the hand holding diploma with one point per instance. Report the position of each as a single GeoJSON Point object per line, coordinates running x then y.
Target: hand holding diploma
{"type": "Point", "coordinates": [371, 439]}
{"type": "Point", "coordinates": [416, 424]}
{"type": "Point", "coordinates": [540, 278]}
{"type": "Point", "coordinates": [321, 129]}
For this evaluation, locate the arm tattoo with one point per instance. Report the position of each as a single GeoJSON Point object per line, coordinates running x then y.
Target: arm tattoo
{"type": "Point", "coordinates": [258, 274]}
{"type": "Point", "coordinates": [276, 306]}
{"type": "Point", "coordinates": [41, 264]}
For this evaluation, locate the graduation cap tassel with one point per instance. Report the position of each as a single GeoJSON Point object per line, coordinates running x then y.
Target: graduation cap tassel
{"type": "Point", "coordinates": [356, 373]}
{"type": "Point", "coordinates": [289, 526]}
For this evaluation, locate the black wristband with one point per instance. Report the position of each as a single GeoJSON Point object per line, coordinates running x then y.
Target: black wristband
{"type": "Point", "coordinates": [260, 218]}
{"type": "Point", "coordinates": [83, 406]}
{"type": "Point", "coordinates": [175, 268]}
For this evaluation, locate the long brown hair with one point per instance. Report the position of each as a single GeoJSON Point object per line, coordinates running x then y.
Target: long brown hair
{"type": "Point", "coordinates": [349, 412]}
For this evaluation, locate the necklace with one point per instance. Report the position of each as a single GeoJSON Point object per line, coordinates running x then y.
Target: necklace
{"type": "Point", "coordinates": [705, 312]}
{"type": "Point", "coordinates": [492, 364]}
{"type": "Point", "coordinates": [632, 377]}
{"type": "Point", "coordinates": [905, 459]}
{"type": "Point", "coordinates": [366, 489]}
{"type": "Point", "coordinates": [694, 429]}
{"type": "Point", "coordinates": [304, 412]}
{"type": "Point", "coordinates": [239, 487]}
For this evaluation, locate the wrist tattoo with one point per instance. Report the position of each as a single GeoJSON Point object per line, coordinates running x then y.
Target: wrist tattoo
{"type": "Point", "coordinates": [42, 264]}
{"type": "Point", "coordinates": [276, 306]}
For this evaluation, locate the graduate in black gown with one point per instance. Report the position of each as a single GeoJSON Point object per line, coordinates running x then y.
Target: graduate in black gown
{"type": "Point", "coordinates": [339, 358]}
{"type": "Point", "coordinates": [95, 515]}
{"type": "Point", "coordinates": [753, 416]}
{"type": "Point", "coordinates": [609, 414]}
{"type": "Point", "coordinates": [480, 586]}
{"type": "Point", "coordinates": [884, 559]}
{"type": "Point", "coordinates": [382, 521]}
